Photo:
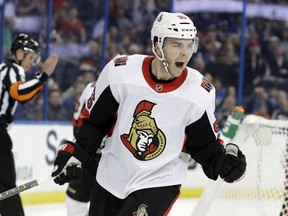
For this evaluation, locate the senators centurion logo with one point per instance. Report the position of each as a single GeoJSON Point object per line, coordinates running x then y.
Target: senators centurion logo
{"type": "Point", "coordinates": [141, 211]}
{"type": "Point", "coordinates": [144, 140]}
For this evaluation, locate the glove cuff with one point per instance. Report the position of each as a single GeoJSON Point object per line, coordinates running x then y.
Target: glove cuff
{"type": "Point", "coordinates": [67, 146]}
{"type": "Point", "coordinates": [81, 154]}
{"type": "Point", "coordinates": [74, 150]}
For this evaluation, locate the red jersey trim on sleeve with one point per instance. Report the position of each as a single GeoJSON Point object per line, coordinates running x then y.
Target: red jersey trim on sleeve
{"type": "Point", "coordinates": [66, 148]}
{"type": "Point", "coordinates": [84, 114]}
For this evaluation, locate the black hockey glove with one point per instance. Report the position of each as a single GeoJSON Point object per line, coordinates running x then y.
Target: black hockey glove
{"type": "Point", "coordinates": [233, 164]}
{"type": "Point", "coordinates": [67, 165]}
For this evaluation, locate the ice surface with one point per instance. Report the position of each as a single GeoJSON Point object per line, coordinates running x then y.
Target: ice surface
{"type": "Point", "coordinates": [183, 207]}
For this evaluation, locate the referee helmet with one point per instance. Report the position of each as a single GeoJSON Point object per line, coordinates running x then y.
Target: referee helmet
{"type": "Point", "coordinates": [24, 42]}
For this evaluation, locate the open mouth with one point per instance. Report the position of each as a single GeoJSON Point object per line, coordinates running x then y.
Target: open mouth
{"type": "Point", "coordinates": [179, 65]}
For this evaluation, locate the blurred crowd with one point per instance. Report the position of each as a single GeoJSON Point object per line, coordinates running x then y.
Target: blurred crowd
{"type": "Point", "coordinates": [280, 2]}
{"type": "Point", "coordinates": [77, 34]}
{"type": "Point", "coordinates": [265, 68]}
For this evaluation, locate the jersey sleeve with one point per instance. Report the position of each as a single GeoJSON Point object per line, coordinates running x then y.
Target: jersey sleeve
{"type": "Point", "coordinates": [203, 143]}
{"type": "Point", "coordinates": [84, 97]}
{"type": "Point", "coordinates": [23, 91]}
{"type": "Point", "coordinates": [99, 114]}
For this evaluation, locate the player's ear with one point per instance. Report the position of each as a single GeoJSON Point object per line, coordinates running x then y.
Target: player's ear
{"type": "Point", "coordinates": [157, 46]}
{"type": "Point", "coordinates": [157, 49]}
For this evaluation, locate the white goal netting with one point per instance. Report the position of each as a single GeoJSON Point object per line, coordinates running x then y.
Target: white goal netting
{"type": "Point", "coordinates": [264, 189]}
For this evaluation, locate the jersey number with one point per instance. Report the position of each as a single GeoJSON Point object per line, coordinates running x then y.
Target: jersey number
{"type": "Point", "coordinates": [91, 99]}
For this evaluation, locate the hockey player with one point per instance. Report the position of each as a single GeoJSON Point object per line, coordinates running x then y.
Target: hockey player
{"type": "Point", "coordinates": [79, 192]}
{"type": "Point", "coordinates": [13, 89]}
{"type": "Point", "coordinates": [157, 113]}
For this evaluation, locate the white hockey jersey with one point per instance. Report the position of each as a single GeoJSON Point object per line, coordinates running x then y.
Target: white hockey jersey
{"type": "Point", "coordinates": [152, 126]}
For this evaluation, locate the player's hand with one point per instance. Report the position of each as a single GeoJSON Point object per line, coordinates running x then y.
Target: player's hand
{"type": "Point", "coordinates": [71, 173]}
{"type": "Point", "coordinates": [67, 165]}
{"type": "Point", "coordinates": [233, 164]}
{"type": "Point", "coordinates": [49, 65]}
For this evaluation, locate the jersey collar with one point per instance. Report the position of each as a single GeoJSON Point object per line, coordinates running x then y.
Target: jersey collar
{"type": "Point", "coordinates": [161, 87]}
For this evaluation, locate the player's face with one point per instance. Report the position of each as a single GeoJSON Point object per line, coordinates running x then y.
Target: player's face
{"type": "Point", "coordinates": [177, 53]}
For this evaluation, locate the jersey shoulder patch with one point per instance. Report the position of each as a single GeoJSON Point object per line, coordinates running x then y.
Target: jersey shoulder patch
{"type": "Point", "coordinates": [120, 61]}
{"type": "Point", "coordinates": [206, 84]}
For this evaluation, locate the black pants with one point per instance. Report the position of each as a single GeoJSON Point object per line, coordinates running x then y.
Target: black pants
{"type": "Point", "coordinates": [11, 206]}
{"type": "Point", "coordinates": [151, 201]}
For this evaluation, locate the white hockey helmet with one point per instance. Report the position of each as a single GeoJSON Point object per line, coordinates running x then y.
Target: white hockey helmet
{"type": "Point", "coordinates": [173, 25]}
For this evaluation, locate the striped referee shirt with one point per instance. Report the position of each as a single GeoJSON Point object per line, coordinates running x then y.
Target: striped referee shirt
{"type": "Point", "coordinates": [14, 89]}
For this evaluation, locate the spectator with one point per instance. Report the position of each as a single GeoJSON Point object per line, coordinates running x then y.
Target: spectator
{"type": "Point", "coordinates": [278, 62]}
{"type": "Point", "coordinates": [29, 16]}
{"type": "Point", "coordinates": [230, 50]}
{"type": "Point", "coordinates": [121, 21]}
{"type": "Point", "coordinates": [55, 110]}
{"type": "Point", "coordinates": [225, 110]}
{"type": "Point", "coordinates": [124, 44]}
{"type": "Point", "coordinates": [220, 93]}
{"type": "Point", "coordinates": [210, 45]}
{"type": "Point", "coordinates": [255, 67]}
{"type": "Point", "coordinates": [221, 69]}
{"type": "Point", "coordinates": [86, 12]}
{"type": "Point", "coordinates": [70, 103]}
{"type": "Point", "coordinates": [112, 51]}
{"type": "Point", "coordinates": [162, 5]}
{"type": "Point", "coordinates": [90, 76]}
{"type": "Point", "coordinates": [113, 35]}
{"type": "Point", "coordinates": [87, 75]}
{"type": "Point", "coordinates": [33, 110]}
{"type": "Point", "coordinates": [282, 111]}
{"type": "Point", "coordinates": [144, 12]}
{"type": "Point", "coordinates": [98, 29]}
{"type": "Point", "coordinates": [73, 24]}
{"type": "Point", "coordinates": [272, 99]}
{"type": "Point", "coordinates": [30, 8]}
{"type": "Point", "coordinates": [199, 64]}
{"type": "Point", "coordinates": [262, 111]}
{"type": "Point", "coordinates": [70, 91]}
{"type": "Point", "coordinates": [258, 97]}
{"type": "Point", "coordinates": [135, 48]}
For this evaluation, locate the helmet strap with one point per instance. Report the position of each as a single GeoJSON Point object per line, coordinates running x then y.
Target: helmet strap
{"type": "Point", "coordinates": [162, 59]}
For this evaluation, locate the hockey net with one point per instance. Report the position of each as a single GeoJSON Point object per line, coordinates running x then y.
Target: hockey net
{"type": "Point", "coordinates": [264, 189]}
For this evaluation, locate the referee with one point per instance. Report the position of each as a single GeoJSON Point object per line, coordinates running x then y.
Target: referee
{"type": "Point", "coordinates": [13, 89]}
